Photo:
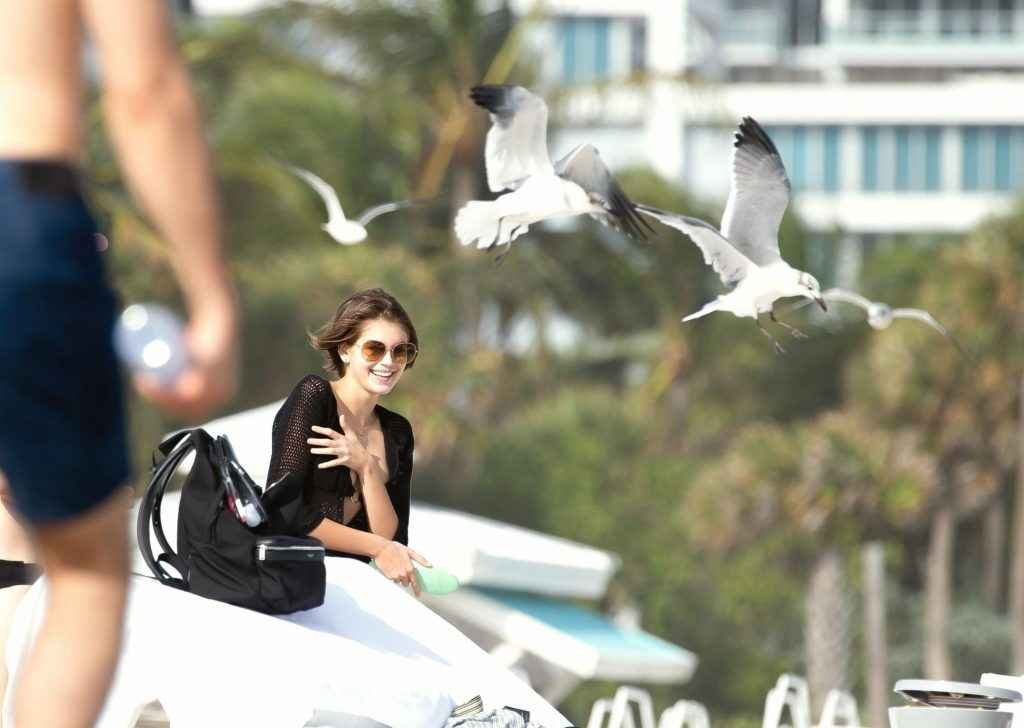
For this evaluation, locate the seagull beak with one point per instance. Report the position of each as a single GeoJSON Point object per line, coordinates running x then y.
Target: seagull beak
{"type": "Point", "coordinates": [821, 302]}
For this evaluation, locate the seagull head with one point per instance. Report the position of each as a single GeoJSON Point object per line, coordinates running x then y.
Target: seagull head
{"type": "Point", "coordinates": [879, 315]}
{"type": "Point", "coordinates": [808, 287]}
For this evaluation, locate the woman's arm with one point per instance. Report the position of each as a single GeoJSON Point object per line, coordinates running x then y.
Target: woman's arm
{"type": "Point", "coordinates": [380, 511]}
{"type": "Point", "coordinates": [349, 540]}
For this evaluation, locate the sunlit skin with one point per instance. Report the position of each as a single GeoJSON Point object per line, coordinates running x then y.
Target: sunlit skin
{"type": "Point", "coordinates": [358, 444]}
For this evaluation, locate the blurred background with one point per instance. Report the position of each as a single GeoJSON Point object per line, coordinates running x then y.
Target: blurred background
{"type": "Point", "coordinates": [852, 511]}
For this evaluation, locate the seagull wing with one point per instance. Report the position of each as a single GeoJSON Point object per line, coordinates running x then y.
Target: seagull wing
{"type": "Point", "coordinates": [517, 142]}
{"type": "Point", "coordinates": [731, 265]}
{"type": "Point", "coordinates": [926, 318]}
{"type": "Point", "coordinates": [842, 295]}
{"type": "Point", "coordinates": [758, 196]}
{"type": "Point", "coordinates": [584, 166]}
{"type": "Point", "coordinates": [330, 198]}
{"type": "Point", "coordinates": [376, 211]}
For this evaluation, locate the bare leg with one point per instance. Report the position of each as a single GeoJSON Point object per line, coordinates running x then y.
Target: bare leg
{"type": "Point", "coordinates": [14, 546]}
{"type": "Point", "coordinates": [797, 333]}
{"type": "Point", "coordinates": [64, 680]}
{"type": "Point", "coordinates": [775, 342]}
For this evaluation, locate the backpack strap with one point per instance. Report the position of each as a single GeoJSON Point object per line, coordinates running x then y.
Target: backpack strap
{"type": "Point", "coordinates": [174, 448]}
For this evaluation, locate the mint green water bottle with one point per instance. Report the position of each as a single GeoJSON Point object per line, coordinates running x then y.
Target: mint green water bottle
{"type": "Point", "coordinates": [436, 580]}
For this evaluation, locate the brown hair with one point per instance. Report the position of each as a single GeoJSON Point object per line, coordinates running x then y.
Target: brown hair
{"type": "Point", "coordinates": [345, 326]}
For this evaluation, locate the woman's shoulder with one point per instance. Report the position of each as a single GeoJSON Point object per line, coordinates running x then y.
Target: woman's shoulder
{"type": "Point", "coordinates": [310, 391]}
{"type": "Point", "coordinates": [312, 385]}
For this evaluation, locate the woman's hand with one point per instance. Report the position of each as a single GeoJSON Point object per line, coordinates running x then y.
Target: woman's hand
{"type": "Point", "coordinates": [345, 447]}
{"type": "Point", "coordinates": [395, 561]}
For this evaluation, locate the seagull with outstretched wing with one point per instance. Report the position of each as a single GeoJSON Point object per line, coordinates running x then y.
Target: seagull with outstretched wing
{"type": "Point", "coordinates": [343, 230]}
{"type": "Point", "coordinates": [518, 164]}
{"type": "Point", "coordinates": [745, 252]}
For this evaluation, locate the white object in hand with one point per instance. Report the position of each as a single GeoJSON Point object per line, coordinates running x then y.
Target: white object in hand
{"type": "Point", "coordinates": [343, 230]}
{"type": "Point", "coordinates": [148, 339]}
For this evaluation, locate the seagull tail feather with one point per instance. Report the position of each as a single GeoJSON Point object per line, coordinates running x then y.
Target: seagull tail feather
{"type": "Point", "coordinates": [709, 307]}
{"type": "Point", "coordinates": [476, 223]}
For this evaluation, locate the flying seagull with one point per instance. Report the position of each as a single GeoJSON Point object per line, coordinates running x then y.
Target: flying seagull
{"type": "Point", "coordinates": [745, 253]}
{"type": "Point", "coordinates": [881, 315]}
{"type": "Point", "coordinates": [516, 155]}
{"type": "Point", "coordinates": [343, 230]}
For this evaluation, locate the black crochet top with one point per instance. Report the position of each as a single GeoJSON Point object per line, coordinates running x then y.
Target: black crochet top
{"type": "Point", "coordinates": [322, 489]}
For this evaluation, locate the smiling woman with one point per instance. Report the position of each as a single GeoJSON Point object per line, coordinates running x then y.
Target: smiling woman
{"type": "Point", "coordinates": [350, 457]}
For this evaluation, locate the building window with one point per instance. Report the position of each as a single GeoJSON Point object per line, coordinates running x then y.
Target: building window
{"type": "Point", "coordinates": [595, 49]}
{"type": "Point", "coordinates": [811, 156]}
{"type": "Point", "coordinates": [900, 158]}
{"type": "Point", "coordinates": [753, 22]}
{"type": "Point", "coordinates": [992, 157]}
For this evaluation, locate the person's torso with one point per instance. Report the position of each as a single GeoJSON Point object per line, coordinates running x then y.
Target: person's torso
{"type": "Point", "coordinates": [40, 79]}
{"type": "Point", "coordinates": [333, 487]}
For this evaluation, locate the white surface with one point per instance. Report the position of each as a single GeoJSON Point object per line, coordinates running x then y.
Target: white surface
{"type": "Point", "coordinates": [371, 650]}
{"type": "Point", "coordinates": [211, 664]}
{"type": "Point", "coordinates": [477, 550]}
{"type": "Point", "coordinates": [1008, 682]}
{"type": "Point", "coordinates": [365, 606]}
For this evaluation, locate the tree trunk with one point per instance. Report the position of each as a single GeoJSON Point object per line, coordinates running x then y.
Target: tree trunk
{"type": "Point", "coordinates": [938, 594]}
{"type": "Point", "coordinates": [1017, 565]}
{"type": "Point", "coordinates": [995, 546]}
{"type": "Point", "coordinates": [876, 657]}
{"type": "Point", "coordinates": [827, 637]}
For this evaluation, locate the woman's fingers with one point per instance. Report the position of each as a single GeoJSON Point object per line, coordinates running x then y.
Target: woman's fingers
{"type": "Point", "coordinates": [341, 452]}
{"type": "Point", "coordinates": [333, 463]}
{"type": "Point", "coordinates": [325, 431]}
{"type": "Point", "coordinates": [320, 441]}
{"type": "Point", "coordinates": [416, 557]}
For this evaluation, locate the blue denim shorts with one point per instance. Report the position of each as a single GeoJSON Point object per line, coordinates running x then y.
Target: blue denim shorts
{"type": "Point", "coordinates": [62, 422]}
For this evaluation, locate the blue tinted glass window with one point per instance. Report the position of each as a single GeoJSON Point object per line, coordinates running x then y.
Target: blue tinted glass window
{"type": "Point", "coordinates": [831, 159]}
{"type": "Point", "coordinates": [969, 135]}
{"type": "Point", "coordinates": [869, 158]}
{"type": "Point", "coordinates": [932, 154]}
{"type": "Point", "coordinates": [1002, 158]}
{"type": "Point", "coordinates": [600, 28]}
{"type": "Point", "coordinates": [902, 176]}
{"type": "Point", "coordinates": [798, 166]}
{"type": "Point", "coordinates": [568, 32]}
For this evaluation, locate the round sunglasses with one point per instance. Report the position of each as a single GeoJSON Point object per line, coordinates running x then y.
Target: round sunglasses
{"type": "Point", "coordinates": [403, 354]}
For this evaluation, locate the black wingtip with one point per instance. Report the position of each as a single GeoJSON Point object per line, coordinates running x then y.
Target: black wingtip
{"type": "Point", "coordinates": [750, 132]}
{"type": "Point", "coordinates": [489, 96]}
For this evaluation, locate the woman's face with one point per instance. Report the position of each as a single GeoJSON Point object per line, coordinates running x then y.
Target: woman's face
{"type": "Point", "coordinates": [375, 377]}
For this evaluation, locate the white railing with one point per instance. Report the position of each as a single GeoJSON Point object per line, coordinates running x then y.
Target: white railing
{"type": "Point", "coordinates": [955, 25]}
{"type": "Point", "coordinates": [791, 692]}
{"type": "Point", "coordinates": [685, 714]}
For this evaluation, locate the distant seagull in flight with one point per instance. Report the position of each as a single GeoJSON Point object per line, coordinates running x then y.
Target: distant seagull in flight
{"type": "Point", "coordinates": [745, 254]}
{"type": "Point", "coordinates": [518, 164]}
{"type": "Point", "coordinates": [881, 315]}
{"type": "Point", "coordinates": [344, 231]}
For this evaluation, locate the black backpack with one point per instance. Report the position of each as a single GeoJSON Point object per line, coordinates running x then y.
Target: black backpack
{"type": "Point", "coordinates": [218, 556]}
